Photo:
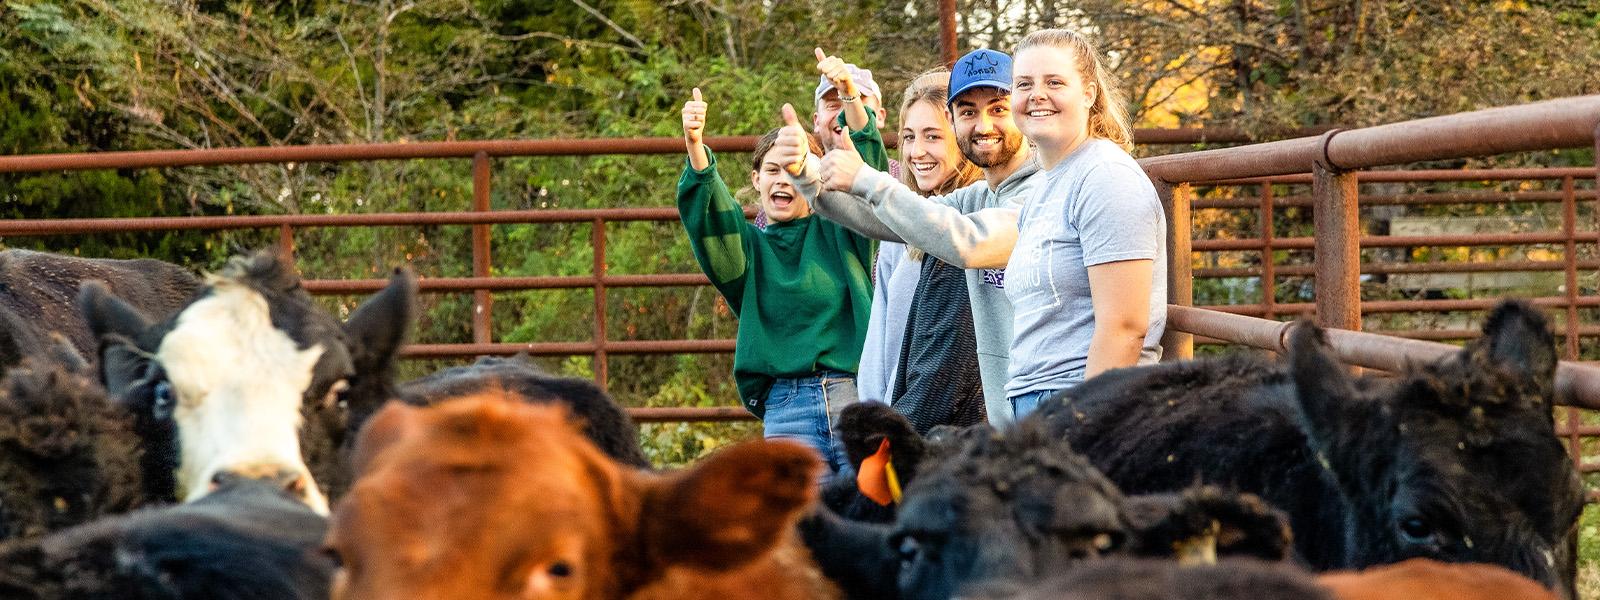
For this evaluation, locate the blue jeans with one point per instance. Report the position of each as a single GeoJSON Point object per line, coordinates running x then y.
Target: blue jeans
{"type": "Point", "coordinates": [805, 409]}
{"type": "Point", "coordinates": [1025, 403]}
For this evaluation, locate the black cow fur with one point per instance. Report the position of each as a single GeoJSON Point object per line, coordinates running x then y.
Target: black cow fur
{"type": "Point", "coordinates": [67, 454]}
{"type": "Point", "coordinates": [987, 505]}
{"type": "Point", "coordinates": [37, 290]}
{"type": "Point", "coordinates": [247, 540]}
{"type": "Point", "coordinates": [862, 428]}
{"type": "Point", "coordinates": [1455, 461]}
{"type": "Point", "coordinates": [358, 356]}
{"type": "Point", "coordinates": [602, 419]}
{"type": "Point", "coordinates": [1145, 579]}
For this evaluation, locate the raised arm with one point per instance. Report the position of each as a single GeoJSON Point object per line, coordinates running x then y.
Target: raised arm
{"type": "Point", "coordinates": [714, 220]}
{"type": "Point", "coordinates": [833, 67]}
{"type": "Point", "coordinates": [980, 239]}
{"type": "Point", "coordinates": [694, 125]}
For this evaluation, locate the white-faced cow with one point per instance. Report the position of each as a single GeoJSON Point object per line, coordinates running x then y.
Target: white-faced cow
{"type": "Point", "coordinates": [1455, 460]}
{"type": "Point", "coordinates": [221, 390]}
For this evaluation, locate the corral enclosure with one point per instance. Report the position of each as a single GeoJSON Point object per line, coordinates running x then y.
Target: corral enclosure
{"type": "Point", "coordinates": [515, 260]}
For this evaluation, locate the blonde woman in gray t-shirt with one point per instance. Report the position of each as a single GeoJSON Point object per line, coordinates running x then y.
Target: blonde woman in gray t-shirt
{"type": "Point", "coordinates": [1087, 277]}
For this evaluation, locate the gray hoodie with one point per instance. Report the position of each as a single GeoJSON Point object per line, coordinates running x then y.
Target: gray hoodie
{"type": "Point", "coordinates": [973, 227]}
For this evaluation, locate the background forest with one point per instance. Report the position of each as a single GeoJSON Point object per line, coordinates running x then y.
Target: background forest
{"type": "Point", "coordinates": [101, 75]}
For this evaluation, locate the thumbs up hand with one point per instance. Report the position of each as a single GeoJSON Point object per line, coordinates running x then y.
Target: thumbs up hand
{"type": "Point", "coordinates": [694, 126]}
{"type": "Point", "coordinates": [694, 119]}
{"type": "Point", "coordinates": [834, 69]}
{"type": "Point", "coordinates": [791, 147]}
{"type": "Point", "coordinates": [840, 166]}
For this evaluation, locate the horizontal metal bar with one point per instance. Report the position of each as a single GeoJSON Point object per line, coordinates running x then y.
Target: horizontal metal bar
{"type": "Point", "coordinates": [145, 159]}
{"type": "Point", "coordinates": [1552, 124]}
{"type": "Point", "coordinates": [1508, 266]}
{"type": "Point", "coordinates": [1562, 430]}
{"type": "Point", "coordinates": [468, 284]}
{"type": "Point", "coordinates": [35, 227]}
{"type": "Point", "coordinates": [1414, 175]}
{"type": "Point", "coordinates": [1576, 384]}
{"type": "Point", "coordinates": [1256, 160]}
{"type": "Point", "coordinates": [671, 415]}
{"type": "Point", "coordinates": [1391, 306]}
{"type": "Point", "coordinates": [1442, 198]}
{"type": "Point", "coordinates": [568, 348]}
{"type": "Point", "coordinates": [1397, 241]}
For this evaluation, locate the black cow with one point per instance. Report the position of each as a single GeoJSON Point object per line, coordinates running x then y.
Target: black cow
{"type": "Point", "coordinates": [987, 505]}
{"type": "Point", "coordinates": [1146, 579]}
{"type": "Point", "coordinates": [67, 454]}
{"type": "Point", "coordinates": [247, 540]}
{"type": "Point", "coordinates": [603, 420]}
{"type": "Point", "coordinates": [37, 288]}
{"type": "Point", "coordinates": [1455, 460]}
{"type": "Point", "coordinates": [251, 379]}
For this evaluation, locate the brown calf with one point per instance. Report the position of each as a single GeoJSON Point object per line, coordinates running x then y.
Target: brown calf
{"type": "Point", "coordinates": [490, 498]}
{"type": "Point", "coordinates": [1423, 579]}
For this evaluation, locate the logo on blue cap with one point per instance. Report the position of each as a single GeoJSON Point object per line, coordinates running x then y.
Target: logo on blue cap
{"type": "Point", "coordinates": [980, 68]}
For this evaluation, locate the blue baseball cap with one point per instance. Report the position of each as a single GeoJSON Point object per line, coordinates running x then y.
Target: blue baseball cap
{"type": "Point", "coordinates": [980, 68]}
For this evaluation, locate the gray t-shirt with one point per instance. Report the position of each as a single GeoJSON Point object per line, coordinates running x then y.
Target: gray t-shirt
{"type": "Point", "coordinates": [1095, 207]}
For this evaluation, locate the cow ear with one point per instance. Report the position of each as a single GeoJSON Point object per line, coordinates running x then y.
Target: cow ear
{"type": "Point", "coordinates": [109, 315]}
{"type": "Point", "coordinates": [1207, 520]}
{"type": "Point", "coordinates": [1517, 339]}
{"type": "Point", "coordinates": [732, 507]}
{"type": "Point", "coordinates": [376, 330]}
{"type": "Point", "coordinates": [379, 325]}
{"type": "Point", "coordinates": [1322, 384]}
{"type": "Point", "coordinates": [61, 351]}
{"type": "Point", "coordinates": [864, 425]}
{"type": "Point", "coordinates": [392, 424]}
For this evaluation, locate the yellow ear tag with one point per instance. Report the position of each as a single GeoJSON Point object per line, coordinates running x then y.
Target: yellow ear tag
{"type": "Point", "coordinates": [894, 478]}
{"type": "Point", "coordinates": [876, 478]}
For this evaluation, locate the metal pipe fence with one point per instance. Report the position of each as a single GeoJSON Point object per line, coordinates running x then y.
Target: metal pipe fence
{"type": "Point", "coordinates": [1263, 166]}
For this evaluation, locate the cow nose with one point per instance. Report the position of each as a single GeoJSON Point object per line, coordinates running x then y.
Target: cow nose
{"type": "Point", "coordinates": [294, 481]}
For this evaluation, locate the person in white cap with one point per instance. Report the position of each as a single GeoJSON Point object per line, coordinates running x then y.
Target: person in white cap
{"type": "Point", "coordinates": [860, 101]}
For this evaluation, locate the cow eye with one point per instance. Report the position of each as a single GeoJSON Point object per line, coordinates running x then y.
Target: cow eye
{"type": "Point", "coordinates": [335, 396]}
{"type": "Point", "coordinates": [333, 556]}
{"type": "Point", "coordinates": [1417, 530]}
{"type": "Point", "coordinates": [559, 569]}
{"type": "Point", "coordinates": [165, 400]}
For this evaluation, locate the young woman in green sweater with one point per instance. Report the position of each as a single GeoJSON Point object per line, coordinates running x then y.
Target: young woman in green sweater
{"type": "Point", "coordinates": [801, 287]}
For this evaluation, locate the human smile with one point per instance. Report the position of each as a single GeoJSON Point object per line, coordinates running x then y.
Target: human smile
{"type": "Point", "coordinates": [781, 199]}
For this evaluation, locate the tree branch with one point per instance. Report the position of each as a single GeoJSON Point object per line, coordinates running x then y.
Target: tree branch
{"type": "Point", "coordinates": [612, 24]}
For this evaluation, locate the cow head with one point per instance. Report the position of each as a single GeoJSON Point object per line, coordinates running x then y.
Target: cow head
{"type": "Point", "coordinates": [604, 421]}
{"type": "Point", "coordinates": [1001, 507]}
{"type": "Point", "coordinates": [489, 497]}
{"type": "Point", "coordinates": [220, 389]}
{"type": "Point", "coordinates": [1455, 460]}
{"type": "Point", "coordinates": [67, 456]}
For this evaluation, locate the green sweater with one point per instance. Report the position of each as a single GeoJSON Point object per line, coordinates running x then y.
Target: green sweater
{"type": "Point", "coordinates": [802, 288]}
